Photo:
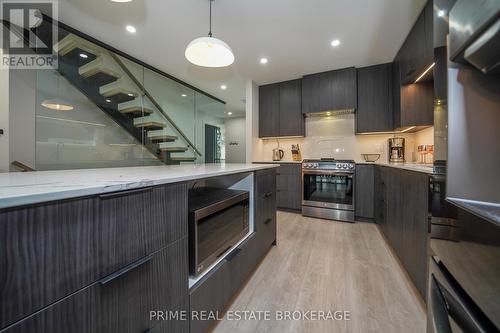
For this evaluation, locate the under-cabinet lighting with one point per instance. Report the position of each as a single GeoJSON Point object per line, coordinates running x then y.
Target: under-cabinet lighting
{"type": "Point", "coordinates": [282, 137]}
{"type": "Point", "coordinates": [425, 72]}
{"type": "Point", "coordinates": [408, 129]}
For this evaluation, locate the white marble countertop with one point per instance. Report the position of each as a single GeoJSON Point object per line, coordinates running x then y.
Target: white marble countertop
{"type": "Point", "coordinates": [22, 188]}
{"type": "Point", "coordinates": [278, 162]}
{"type": "Point", "coordinates": [425, 168]}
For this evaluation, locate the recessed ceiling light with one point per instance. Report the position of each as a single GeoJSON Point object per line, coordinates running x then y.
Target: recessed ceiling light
{"type": "Point", "coordinates": [441, 13]}
{"type": "Point", "coordinates": [229, 113]}
{"type": "Point", "coordinates": [335, 42]}
{"type": "Point", "coordinates": [131, 29]}
{"type": "Point", "coordinates": [223, 87]}
{"type": "Point", "coordinates": [183, 95]}
{"type": "Point", "coordinates": [263, 61]}
{"type": "Point", "coordinates": [121, 1]}
{"type": "Point", "coordinates": [83, 55]}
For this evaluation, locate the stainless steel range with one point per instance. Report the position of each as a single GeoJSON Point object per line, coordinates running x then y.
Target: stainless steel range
{"type": "Point", "coordinates": [328, 189]}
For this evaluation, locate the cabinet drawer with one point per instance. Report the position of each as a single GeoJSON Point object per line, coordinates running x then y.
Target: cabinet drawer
{"type": "Point", "coordinates": [55, 249]}
{"type": "Point", "coordinates": [122, 304]}
{"type": "Point", "coordinates": [213, 293]}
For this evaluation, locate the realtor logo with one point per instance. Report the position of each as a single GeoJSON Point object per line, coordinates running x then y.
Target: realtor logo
{"type": "Point", "coordinates": [27, 36]}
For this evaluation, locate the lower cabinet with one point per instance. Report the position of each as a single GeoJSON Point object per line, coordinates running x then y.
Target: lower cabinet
{"type": "Point", "coordinates": [121, 301]}
{"type": "Point", "coordinates": [364, 182]}
{"type": "Point", "coordinates": [209, 298]}
{"type": "Point", "coordinates": [401, 211]}
{"type": "Point", "coordinates": [289, 186]}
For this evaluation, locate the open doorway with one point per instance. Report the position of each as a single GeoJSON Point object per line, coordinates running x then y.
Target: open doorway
{"type": "Point", "coordinates": [213, 144]}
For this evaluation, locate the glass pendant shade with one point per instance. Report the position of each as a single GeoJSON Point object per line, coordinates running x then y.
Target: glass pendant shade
{"type": "Point", "coordinates": [209, 52]}
{"type": "Point", "coordinates": [57, 104]}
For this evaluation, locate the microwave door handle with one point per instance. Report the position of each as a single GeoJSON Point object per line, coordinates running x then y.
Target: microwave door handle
{"type": "Point", "coordinates": [439, 310]}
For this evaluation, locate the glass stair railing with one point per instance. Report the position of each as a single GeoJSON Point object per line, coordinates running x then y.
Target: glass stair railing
{"type": "Point", "coordinates": [106, 79]}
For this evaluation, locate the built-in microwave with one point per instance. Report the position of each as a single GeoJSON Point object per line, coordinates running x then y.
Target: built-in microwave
{"type": "Point", "coordinates": [218, 220]}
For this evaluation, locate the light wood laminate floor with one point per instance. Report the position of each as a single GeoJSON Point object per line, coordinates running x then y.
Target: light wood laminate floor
{"type": "Point", "coordinates": [328, 266]}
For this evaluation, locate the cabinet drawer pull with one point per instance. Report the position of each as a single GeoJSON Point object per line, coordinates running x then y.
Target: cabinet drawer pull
{"type": "Point", "coordinates": [233, 254]}
{"type": "Point", "coordinates": [126, 192]}
{"type": "Point", "coordinates": [268, 221]}
{"type": "Point", "coordinates": [125, 270]}
{"type": "Point", "coordinates": [268, 195]}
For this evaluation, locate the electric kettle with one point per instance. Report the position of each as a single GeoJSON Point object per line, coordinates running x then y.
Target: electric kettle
{"type": "Point", "coordinates": [278, 154]}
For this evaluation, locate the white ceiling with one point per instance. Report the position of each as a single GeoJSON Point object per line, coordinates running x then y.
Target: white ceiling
{"type": "Point", "coordinates": [294, 35]}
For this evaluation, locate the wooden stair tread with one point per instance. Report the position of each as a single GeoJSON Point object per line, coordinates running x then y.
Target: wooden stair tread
{"type": "Point", "coordinates": [136, 109]}
{"type": "Point", "coordinates": [174, 149]}
{"type": "Point", "coordinates": [150, 123]}
{"type": "Point", "coordinates": [183, 159]}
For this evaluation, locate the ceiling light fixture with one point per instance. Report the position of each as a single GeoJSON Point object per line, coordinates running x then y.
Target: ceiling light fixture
{"type": "Point", "coordinates": [83, 55]}
{"type": "Point", "coordinates": [121, 1]}
{"type": "Point", "coordinates": [263, 61]}
{"type": "Point", "coordinates": [229, 113]}
{"type": "Point", "coordinates": [209, 51]}
{"type": "Point", "coordinates": [57, 103]}
{"type": "Point", "coordinates": [441, 13]}
{"type": "Point", "coordinates": [425, 72]}
{"type": "Point", "coordinates": [223, 87]}
{"type": "Point", "coordinates": [335, 42]}
{"type": "Point", "coordinates": [183, 95]}
{"type": "Point", "coordinates": [131, 29]}
{"type": "Point", "coordinates": [108, 100]}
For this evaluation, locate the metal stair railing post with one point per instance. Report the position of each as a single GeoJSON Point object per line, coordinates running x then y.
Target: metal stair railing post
{"type": "Point", "coordinates": [155, 103]}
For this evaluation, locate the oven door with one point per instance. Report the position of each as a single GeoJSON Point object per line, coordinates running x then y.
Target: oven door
{"type": "Point", "coordinates": [449, 308]}
{"type": "Point", "coordinates": [328, 189]}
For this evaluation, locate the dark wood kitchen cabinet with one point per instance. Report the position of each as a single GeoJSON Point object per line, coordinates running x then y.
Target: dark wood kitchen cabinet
{"type": "Point", "coordinates": [280, 109]}
{"type": "Point", "coordinates": [374, 113]}
{"type": "Point", "coordinates": [365, 186]}
{"type": "Point", "coordinates": [289, 186]}
{"type": "Point", "coordinates": [68, 245]}
{"type": "Point", "coordinates": [269, 106]}
{"type": "Point", "coordinates": [122, 304]}
{"type": "Point", "coordinates": [401, 212]}
{"type": "Point", "coordinates": [215, 289]}
{"type": "Point", "coordinates": [413, 103]}
{"type": "Point", "coordinates": [332, 90]}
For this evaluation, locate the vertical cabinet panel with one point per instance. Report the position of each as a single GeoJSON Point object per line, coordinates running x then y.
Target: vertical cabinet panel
{"type": "Point", "coordinates": [365, 190]}
{"type": "Point", "coordinates": [402, 217]}
{"type": "Point", "coordinates": [310, 93]}
{"type": "Point", "coordinates": [290, 111]}
{"type": "Point", "coordinates": [374, 113]}
{"type": "Point", "coordinates": [269, 107]}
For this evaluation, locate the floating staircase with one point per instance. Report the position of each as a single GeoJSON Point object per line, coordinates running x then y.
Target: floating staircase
{"type": "Point", "coordinates": [100, 76]}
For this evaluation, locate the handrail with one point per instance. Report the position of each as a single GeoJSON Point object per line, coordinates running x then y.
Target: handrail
{"type": "Point", "coordinates": [22, 166]}
{"type": "Point", "coordinates": [151, 98]}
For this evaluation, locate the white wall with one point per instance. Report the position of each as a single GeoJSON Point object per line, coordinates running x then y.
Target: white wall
{"type": "Point", "coordinates": [334, 137]}
{"type": "Point", "coordinates": [235, 140]}
{"type": "Point", "coordinates": [4, 118]}
{"type": "Point", "coordinates": [252, 121]}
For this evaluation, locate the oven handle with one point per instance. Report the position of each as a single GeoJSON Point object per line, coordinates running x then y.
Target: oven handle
{"type": "Point", "coordinates": [439, 310]}
{"type": "Point", "coordinates": [328, 173]}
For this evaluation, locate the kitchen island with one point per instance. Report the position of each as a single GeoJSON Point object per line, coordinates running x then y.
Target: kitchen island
{"type": "Point", "coordinates": [104, 250]}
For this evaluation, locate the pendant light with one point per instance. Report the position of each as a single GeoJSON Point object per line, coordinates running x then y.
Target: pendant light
{"type": "Point", "coordinates": [209, 51]}
{"type": "Point", "coordinates": [57, 103]}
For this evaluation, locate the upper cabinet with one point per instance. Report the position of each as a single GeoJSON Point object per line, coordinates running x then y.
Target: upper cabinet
{"type": "Point", "coordinates": [413, 92]}
{"type": "Point", "coordinates": [280, 111]}
{"type": "Point", "coordinates": [374, 112]}
{"type": "Point", "coordinates": [327, 91]}
{"type": "Point", "coordinates": [417, 51]}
